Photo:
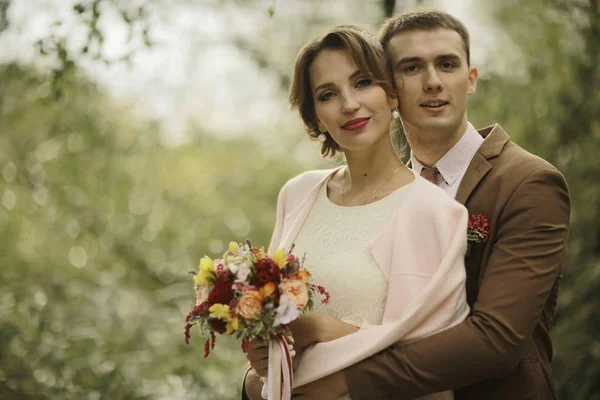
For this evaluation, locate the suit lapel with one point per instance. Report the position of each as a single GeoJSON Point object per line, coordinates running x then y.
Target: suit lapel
{"type": "Point", "coordinates": [477, 169]}
{"type": "Point", "coordinates": [495, 140]}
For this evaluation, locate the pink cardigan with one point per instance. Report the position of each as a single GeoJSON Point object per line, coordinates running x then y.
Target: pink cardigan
{"type": "Point", "coordinates": [421, 254]}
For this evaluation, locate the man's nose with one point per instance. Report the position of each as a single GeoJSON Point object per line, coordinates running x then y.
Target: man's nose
{"type": "Point", "coordinates": [432, 83]}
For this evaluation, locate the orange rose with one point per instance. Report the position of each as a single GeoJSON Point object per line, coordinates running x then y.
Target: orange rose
{"type": "Point", "coordinates": [304, 275]}
{"type": "Point", "coordinates": [296, 291]}
{"type": "Point", "coordinates": [250, 304]}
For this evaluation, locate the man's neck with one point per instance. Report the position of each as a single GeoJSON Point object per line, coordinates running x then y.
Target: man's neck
{"type": "Point", "coordinates": [429, 147]}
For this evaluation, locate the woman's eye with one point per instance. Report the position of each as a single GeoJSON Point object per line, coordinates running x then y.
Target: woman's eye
{"type": "Point", "coordinates": [325, 96]}
{"type": "Point", "coordinates": [364, 82]}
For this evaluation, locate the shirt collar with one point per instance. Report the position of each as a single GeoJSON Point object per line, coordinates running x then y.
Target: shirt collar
{"type": "Point", "coordinates": [455, 162]}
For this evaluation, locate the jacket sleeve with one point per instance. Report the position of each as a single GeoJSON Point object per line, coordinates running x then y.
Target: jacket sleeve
{"type": "Point", "coordinates": [523, 266]}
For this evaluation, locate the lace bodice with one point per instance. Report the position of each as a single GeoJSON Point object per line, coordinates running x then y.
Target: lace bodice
{"type": "Point", "coordinates": [336, 242]}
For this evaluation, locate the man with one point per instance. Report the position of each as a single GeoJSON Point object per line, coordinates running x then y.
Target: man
{"type": "Point", "coordinates": [503, 349]}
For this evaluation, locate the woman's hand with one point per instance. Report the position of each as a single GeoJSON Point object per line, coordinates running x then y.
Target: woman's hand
{"type": "Point", "coordinates": [258, 354]}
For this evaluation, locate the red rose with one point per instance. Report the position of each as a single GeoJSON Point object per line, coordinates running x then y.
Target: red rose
{"type": "Point", "coordinates": [479, 224]}
{"type": "Point", "coordinates": [218, 325]}
{"type": "Point", "coordinates": [222, 293]}
{"type": "Point", "coordinates": [266, 271]}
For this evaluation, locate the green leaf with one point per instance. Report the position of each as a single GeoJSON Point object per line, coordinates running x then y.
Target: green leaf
{"type": "Point", "coordinates": [79, 8]}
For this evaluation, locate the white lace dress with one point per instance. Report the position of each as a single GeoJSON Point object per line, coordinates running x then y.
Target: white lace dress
{"type": "Point", "coordinates": [336, 242]}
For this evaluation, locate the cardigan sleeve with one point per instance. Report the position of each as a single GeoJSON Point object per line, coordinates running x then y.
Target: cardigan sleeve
{"type": "Point", "coordinates": [280, 217]}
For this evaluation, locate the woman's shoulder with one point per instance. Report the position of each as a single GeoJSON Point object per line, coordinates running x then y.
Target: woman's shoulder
{"type": "Point", "coordinates": [428, 199]}
{"type": "Point", "coordinates": [307, 180]}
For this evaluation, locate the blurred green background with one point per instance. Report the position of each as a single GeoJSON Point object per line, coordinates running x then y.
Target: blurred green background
{"type": "Point", "coordinates": [136, 137]}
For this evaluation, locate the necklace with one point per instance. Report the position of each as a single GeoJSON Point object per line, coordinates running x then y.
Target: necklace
{"type": "Point", "coordinates": [372, 193]}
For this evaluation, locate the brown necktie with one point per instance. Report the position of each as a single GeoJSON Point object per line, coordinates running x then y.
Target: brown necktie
{"type": "Point", "coordinates": [431, 174]}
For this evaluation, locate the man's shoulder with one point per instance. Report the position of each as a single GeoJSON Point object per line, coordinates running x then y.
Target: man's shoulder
{"type": "Point", "coordinates": [516, 163]}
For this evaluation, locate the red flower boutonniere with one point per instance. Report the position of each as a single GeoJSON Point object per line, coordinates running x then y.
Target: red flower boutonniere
{"type": "Point", "coordinates": [477, 230]}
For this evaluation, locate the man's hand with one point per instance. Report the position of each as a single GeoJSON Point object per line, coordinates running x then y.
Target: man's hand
{"type": "Point", "coordinates": [315, 327]}
{"type": "Point", "coordinates": [253, 385]}
{"type": "Point", "coordinates": [331, 387]}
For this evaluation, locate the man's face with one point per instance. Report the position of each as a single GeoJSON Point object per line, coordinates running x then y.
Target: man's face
{"type": "Point", "coordinates": [433, 80]}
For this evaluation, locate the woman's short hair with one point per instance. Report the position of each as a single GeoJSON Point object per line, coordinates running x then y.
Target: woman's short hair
{"type": "Point", "coordinates": [367, 53]}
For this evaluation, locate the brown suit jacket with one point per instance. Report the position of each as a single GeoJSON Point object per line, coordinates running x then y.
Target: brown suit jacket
{"type": "Point", "coordinates": [503, 349]}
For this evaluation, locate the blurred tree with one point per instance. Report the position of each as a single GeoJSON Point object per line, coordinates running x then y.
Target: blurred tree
{"type": "Point", "coordinates": [3, 14]}
{"type": "Point", "coordinates": [99, 225]}
{"type": "Point", "coordinates": [547, 96]}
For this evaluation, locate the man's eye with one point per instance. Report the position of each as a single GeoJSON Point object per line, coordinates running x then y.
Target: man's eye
{"type": "Point", "coordinates": [447, 65]}
{"type": "Point", "coordinates": [410, 68]}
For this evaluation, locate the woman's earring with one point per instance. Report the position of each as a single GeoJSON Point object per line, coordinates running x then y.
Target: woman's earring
{"type": "Point", "coordinates": [322, 138]}
{"type": "Point", "coordinates": [395, 113]}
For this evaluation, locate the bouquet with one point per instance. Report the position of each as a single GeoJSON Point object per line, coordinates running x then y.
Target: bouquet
{"type": "Point", "coordinates": [253, 295]}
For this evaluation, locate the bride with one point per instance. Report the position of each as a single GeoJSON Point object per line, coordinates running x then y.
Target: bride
{"type": "Point", "coordinates": [388, 245]}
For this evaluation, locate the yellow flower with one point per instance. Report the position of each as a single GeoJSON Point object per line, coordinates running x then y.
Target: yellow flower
{"type": "Point", "coordinates": [260, 255]}
{"type": "Point", "coordinates": [206, 263]}
{"type": "Point", "coordinates": [207, 268]}
{"type": "Point", "coordinates": [233, 248]}
{"type": "Point", "coordinates": [231, 326]}
{"type": "Point", "coordinates": [220, 311]}
{"type": "Point", "coordinates": [280, 258]}
{"type": "Point", "coordinates": [268, 290]}
{"type": "Point", "coordinates": [201, 280]}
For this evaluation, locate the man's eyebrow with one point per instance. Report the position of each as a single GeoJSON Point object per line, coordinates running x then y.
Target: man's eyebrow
{"type": "Point", "coordinates": [448, 56]}
{"type": "Point", "coordinates": [405, 60]}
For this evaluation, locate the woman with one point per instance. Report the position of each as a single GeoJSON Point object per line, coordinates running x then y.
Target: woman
{"type": "Point", "coordinates": [388, 245]}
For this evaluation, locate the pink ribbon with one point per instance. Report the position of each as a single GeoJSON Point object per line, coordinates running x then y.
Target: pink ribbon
{"type": "Point", "coordinates": [285, 370]}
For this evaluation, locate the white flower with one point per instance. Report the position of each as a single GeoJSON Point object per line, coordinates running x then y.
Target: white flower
{"type": "Point", "coordinates": [234, 268]}
{"type": "Point", "coordinates": [243, 272]}
{"type": "Point", "coordinates": [286, 312]}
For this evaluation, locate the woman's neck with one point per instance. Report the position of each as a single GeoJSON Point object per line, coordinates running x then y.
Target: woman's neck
{"type": "Point", "coordinates": [368, 168]}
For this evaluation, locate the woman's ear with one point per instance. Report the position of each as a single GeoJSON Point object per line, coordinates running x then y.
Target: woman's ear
{"type": "Point", "coordinates": [321, 127]}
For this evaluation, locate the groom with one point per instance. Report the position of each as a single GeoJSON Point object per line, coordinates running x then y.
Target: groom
{"type": "Point", "coordinates": [503, 349]}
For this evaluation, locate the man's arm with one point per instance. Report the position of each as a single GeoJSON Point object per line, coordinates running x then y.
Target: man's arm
{"type": "Point", "coordinates": [252, 386]}
{"type": "Point", "coordinates": [521, 271]}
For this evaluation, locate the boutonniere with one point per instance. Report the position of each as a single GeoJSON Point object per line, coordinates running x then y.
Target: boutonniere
{"type": "Point", "coordinates": [477, 230]}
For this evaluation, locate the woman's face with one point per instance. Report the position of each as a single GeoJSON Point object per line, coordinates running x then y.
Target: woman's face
{"type": "Point", "coordinates": [354, 110]}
